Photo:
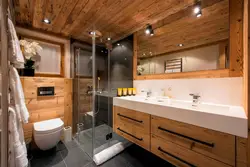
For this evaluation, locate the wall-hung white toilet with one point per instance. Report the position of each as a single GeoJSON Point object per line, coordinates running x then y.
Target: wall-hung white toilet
{"type": "Point", "coordinates": [48, 133]}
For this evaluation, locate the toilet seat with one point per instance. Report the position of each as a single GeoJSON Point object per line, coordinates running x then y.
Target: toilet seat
{"type": "Point", "coordinates": [48, 126]}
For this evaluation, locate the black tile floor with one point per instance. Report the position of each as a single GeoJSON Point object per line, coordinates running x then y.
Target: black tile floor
{"type": "Point", "coordinates": [71, 155]}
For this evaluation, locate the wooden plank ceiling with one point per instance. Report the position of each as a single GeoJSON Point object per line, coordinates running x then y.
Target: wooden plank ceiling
{"type": "Point", "coordinates": [184, 28]}
{"type": "Point", "coordinates": [115, 18]}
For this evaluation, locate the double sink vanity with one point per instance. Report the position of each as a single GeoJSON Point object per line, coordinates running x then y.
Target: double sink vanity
{"type": "Point", "coordinates": [180, 132]}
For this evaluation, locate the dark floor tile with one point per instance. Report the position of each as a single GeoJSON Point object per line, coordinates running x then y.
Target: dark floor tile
{"type": "Point", "coordinates": [47, 159]}
{"type": "Point", "coordinates": [138, 157]}
{"type": "Point", "coordinates": [60, 146]}
{"type": "Point", "coordinates": [75, 157]}
{"type": "Point", "coordinates": [71, 144]}
{"type": "Point", "coordinates": [61, 164]}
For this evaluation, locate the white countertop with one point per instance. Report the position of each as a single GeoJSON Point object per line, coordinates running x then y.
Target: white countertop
{"type": "Point", "coordinates": [223, 118]}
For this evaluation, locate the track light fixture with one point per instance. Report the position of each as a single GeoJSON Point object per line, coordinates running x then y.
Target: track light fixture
{"type": "Point", "coordinates": [197, 8]}
{"type": "Point", "coordinates": [149, 30]}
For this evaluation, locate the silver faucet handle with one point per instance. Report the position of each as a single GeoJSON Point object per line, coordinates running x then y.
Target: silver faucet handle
{"type": "Point", "coordinates": [195, 95]}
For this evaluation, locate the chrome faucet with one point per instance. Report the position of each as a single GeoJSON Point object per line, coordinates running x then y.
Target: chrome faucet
{"type": "Point", "coordinates": [149, 93]}
{"type": "Point", "coordinates": [196, 99]}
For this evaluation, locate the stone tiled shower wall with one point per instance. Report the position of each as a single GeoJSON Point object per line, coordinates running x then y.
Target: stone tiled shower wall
{"type": "Point", "coordinates": [226, 91]}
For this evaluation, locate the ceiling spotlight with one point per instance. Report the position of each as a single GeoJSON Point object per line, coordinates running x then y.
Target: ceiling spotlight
{"type": "Point", "coordinates": [149, 30]}
{"type": "Point", "coordinates": [180, 45]}
{"type": "Point", "coordinates": [102, 51]}
{"type": "Point", "coordinates": [152, 33]}
{"type": "Point", "coordinates": [47, 21]}
{"type": "Point", "coordinates": [118, 44]}
{"type": "Point", "coordinates": [199, 14]}
{"type": "Point", "coordinates": [109, 39]}
{"type": "Point", "coordinates": [197, 8]}
{"type": "Point", "coordinates": [92, 32]}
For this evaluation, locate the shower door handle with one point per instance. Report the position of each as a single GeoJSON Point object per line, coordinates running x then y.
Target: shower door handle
{"type": "Point", "coordinates": [124, 116]}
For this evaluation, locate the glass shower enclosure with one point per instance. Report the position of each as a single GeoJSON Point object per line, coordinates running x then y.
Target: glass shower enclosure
{"type": "Point", "coordinates": [93, 97]}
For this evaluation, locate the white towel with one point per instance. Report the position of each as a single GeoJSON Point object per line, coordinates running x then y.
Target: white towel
{"type": "Point", "coordinates": [16, 57]}
{"type": "Point", "coordinates": [17, 147]}
{"type": "Point", "coordinates": [17, 92]}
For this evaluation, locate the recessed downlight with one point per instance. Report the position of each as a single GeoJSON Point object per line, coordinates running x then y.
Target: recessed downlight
{"type": "Point", "coordinates": [47, 21]}
{"type": "Point", "coordinates": [180, 45]}
{"type": "Point", "coordinates": [109, 39]}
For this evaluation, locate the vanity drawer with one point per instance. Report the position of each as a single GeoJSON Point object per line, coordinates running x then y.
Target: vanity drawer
{"type": "Point", "coordinates": [133, 134]}
{"type": "Point", "coordinates": [135, 118]}
{"type": "Point", "coordinates": [210, 143]}
{"type": "Point", "coordinates": [181, 156]}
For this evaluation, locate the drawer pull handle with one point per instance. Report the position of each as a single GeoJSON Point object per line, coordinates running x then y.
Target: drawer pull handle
{"type": "Point", "coordinates": [130, 134]}
{"type": "Point", "coordinates": [171, 155]}
{"type": "Point", "coordinates": [124, 116]}
{"type": "Point", "coordinates": [186, 137]}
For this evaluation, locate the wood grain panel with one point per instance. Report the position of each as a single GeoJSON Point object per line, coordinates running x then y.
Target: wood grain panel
{"type": "Point", "coordinates": [50, 107]}
{"type": "Point", "coordinates": [241, 152]}
{"type": "Point", "coordinates": [113, 18]}
{"type": "Point", "coordinates": [190, 157]}
{"type": "Point", "coordinates": [221, 143]}
{"type": "Point", "coordinates": [134, 118]}
{"type": "Point", "coordinates": [195, 74]}
{"type": "Point", "coordinates": [133, 134]}
{"type": "Point", "coordinates": [236, 38]}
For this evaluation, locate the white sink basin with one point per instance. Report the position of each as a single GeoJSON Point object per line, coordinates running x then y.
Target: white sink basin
{"type": "Point", "coordinates": [224, 118]}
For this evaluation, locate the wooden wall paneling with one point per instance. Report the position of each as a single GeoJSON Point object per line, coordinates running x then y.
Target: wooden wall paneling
{"type": "Point", "coordinates": [68, 103]}
{"type": "Point", "coordinates": [236, 37]}
{"type": "Point", "coordinates": [195, 74]}
{"type": "Point", "coordinates": [222, 55]}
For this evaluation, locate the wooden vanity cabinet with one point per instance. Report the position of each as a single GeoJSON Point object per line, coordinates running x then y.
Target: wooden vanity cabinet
{"type": "Point", "coordinates": [179, 143]}
{"type": "Point", "coordinates": [205, 142]}
{"type": "Point", "coordinates": [132, 125]}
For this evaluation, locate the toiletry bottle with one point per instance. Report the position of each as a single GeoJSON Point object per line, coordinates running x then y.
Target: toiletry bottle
{"type": "Point", "coordinates": [119, 92]}
{"type": "Point", "coordinates": [134, 91]}
{"type": "Point", "coordinates": [125, 91]}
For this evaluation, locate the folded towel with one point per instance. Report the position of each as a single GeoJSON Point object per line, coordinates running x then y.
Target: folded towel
{"type": "Point", "coordinates": [17, 148]}
{"type": "Point", "coordinates": [17, 93]}
{"type": "Point", "coordinates": [16, 56]}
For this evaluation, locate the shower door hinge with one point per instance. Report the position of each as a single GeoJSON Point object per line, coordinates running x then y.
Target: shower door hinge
{"type": "Point", "coordinates": [109, 136]}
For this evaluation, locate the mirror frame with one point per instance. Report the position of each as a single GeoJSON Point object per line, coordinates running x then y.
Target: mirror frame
{"type": "Point", "coordinates": [235, 52]}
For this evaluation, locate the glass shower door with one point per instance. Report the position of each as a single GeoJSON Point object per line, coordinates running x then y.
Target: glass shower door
{"type": "Point", "coordinates": [83, 115]}
{"type": "Point", "coordinates": [102, 101]}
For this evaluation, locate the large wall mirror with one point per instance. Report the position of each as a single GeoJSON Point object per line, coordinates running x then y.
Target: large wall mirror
{"type": "Point", "coordinates": [183, 42]}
